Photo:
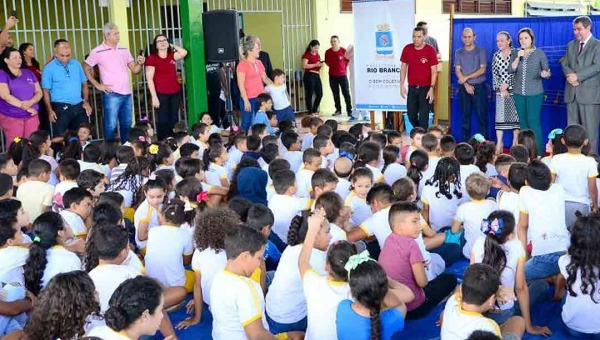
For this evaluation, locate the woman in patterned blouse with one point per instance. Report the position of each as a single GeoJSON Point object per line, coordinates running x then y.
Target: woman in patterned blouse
{"type": "Point", "coordinates": [503, 81]}
{"type": "Point", "coordinates": [530, 66]}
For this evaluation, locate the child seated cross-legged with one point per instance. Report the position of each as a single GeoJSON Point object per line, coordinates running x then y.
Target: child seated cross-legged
{"type": "Point", "coordinates": [502, 251]}
{"type": "Point", "coordinates": [478, 294]}
{"type": "Point", "coordinates": [404, 218]}
{"type": "Point", "coordinates": [238, 304]}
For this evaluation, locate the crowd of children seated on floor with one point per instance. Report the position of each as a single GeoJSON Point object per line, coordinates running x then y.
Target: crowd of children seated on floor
{"type": "Point", "coordinates": [299, 233]}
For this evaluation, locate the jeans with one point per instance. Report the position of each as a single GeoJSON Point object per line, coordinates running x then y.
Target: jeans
{"type": "Point", "coordinates": [435, 292]}
{"type": "Point", "coordinates": [477, 101]}
{"type": "Point", "coordinates": [168, 114]}
{"type": "Point", "coordinates": [286, 114]}
{"type": "Point", "coordinates": [248, 116]}
{"type": "Point", "coordinates": [335, 83]}
{"type": "Point", "coordinates": [417, 106]}
{"type": "Point", "coordinates": [538, 289]}
{"type": "Point", "coordinates": [276, 327]}
{"type": "Point", "coordinates": [68, 117]}
{"type": "Point", "coordinates": [542, 266]}
{"type": "Point", "coordinates": [312, 85]}
{"type": "Point", "coordinates": [529, 109]}
{"type": "Point", "coordinates": [450, 252]}
{"type": "Point", "coordinates": [117, 107]}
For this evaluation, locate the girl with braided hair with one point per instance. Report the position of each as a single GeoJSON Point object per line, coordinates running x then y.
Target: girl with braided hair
{"type": "Point", "coordinates": [441, 194]}
{"type": "Point", "coordinates": [129, 183]}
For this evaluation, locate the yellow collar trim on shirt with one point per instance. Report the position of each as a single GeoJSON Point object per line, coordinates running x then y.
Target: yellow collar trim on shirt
{"type": "Point", "coordinates": [333, 282]}
{"type": "Point", "coordinates": [462, 311]}
{"type": "Point", "coordinates": [57, 247]}
{"type": "Point", "coordinates": [478, 201]}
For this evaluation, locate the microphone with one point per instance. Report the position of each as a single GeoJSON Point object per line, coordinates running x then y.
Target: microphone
{"type": "Point", "coordinates": [522, 49]}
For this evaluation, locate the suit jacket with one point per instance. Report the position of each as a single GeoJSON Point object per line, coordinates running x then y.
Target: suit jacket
{"type": "Point", "coordinates": [587, 67]}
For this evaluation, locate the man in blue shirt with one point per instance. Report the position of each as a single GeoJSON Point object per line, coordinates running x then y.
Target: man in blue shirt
{"type": "Point", "coordinates": [65, 90]}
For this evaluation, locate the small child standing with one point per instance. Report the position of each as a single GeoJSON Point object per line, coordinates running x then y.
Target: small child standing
{"type": "Point", "coordinates": [280, 97]}
{"type": "Point", "coordinates": [470, 214]}
{"type": "Point", "coordinates": [36, 194]}
{"type": "Point", "coordinates": [441, 194]}
{"type": "Point", "coordinates": [576, 173]}
{"type": "Point", "coordinates": [362, 181]}
{"type": "Point", "coordinates": [404, 219]}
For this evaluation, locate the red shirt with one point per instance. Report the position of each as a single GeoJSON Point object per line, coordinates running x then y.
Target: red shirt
{"type": "Point", "coordinates": [312, 59]}
{"type": "Point", "coordinates": [35, 70]}
{"type": "Point", "coordinates": [165, 73]}
{"type": "Point", "coordinates": [337, 62]}
{"type": "Point", "coordinates": [419, 64]}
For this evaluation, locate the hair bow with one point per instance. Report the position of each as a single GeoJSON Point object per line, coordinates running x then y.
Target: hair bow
{"type": "Point", "coordinates": [17, 139]}
{"type": "Point", "coordinates": [235, 128]}
{"type": "Point", "coordinates": [153, 149]}
{"type": "Point", "coordinates": [554, 133]}
{"type": "Point", "coordinates": [37, 239]}
{"type": "Point", "coordinates": [355, 260]}
{"type": "Point", "coordinates": [142, 138]}
{"type": "Point", "coordinates": [493, 227]}
{"type": "Point", "coordinates": [73, 139]}
{"type": "Point", "coordinates": [144, 119]}
{"type": "Point", "coordinates": [347, 154]}
{"type": "Point", "coordinates": [479, 137]}
{"type": "Point", "coordinates": [202, 197]}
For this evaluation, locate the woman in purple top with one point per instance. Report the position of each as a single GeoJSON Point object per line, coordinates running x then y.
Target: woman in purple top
{"type": "Point", "coordinates": [20, 93]}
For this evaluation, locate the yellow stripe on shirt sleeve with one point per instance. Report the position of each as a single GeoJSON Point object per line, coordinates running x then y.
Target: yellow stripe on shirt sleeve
{"type": "Point", "coordinates": [251, 320]}
{"type": "Point", "coordinates": [365, 230]}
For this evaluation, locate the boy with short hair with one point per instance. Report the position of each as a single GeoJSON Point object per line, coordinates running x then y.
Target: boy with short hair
{"type": "Point", "coordinates": [268, 153]}
{"type": "Point", "coordinates": [291, 142]}
{"type": "Point", "coordinates": [274, 167]}
{"type": "Point", "coordinates": [259, 130]}
{"type": "Point", "coordinates": [240, 315]}
{"type": "Point", "coordinates": [343, 169]}
{"type": "Point", "coordinates": [189, 150]}
{"type": "Point", "coordinates": [312, 162]}
{"type": "Point", "coordinates": [447, 146]}
{"type": "Point", "coordinates": [307, 140]}
{"type": "Point", "coordinates": [91, 157]}
{"type": "Point", "coordinates": [78, 206]}
{"type": "Point", "coordinates": [285, 204]}
{"type": "Point", "coordinates": [325, 147]}
{"type": "Point", "coordinates": [464, 310]}
{"type": "Point", "coordinates": [92, 181]}
{"type": "Point", "coordinates": [394, 138]}
{"type": "Point", "coordinates": [6, 186]}
{"type": "Point", "coordinates": [253, 144]}
{"type": "Point", "coordinates": [236, 152]}
{"type": "Point", "coordinates": [84, 133]}
{"type": "Point", "coordinates": [416, 134]}
{"type": "Point", "coordinates": [437, 131]}
{"type": "Point", "coordinates": [322, 181]}
{"type": "Point", "coordinates": [431, 145]}
{"type": "Point", "coordinates": [502, 165]}
{"type": "Point", "coordinates": [36, 194]}
{"type": "Point", "coordinates": [465, 155]}
{"type": "Point", "coordinates": [200, 134]}
{"type": "Point", "coordinates": [265, 104]}
{"type": "Point", "coordinates": [68, 170]}
{"type": "Point", "coordinates": [7, 165]}
{"type": "Point", "coordinates": [576, 173]}
{"type": "Point", "coordinates": [280, 97]}
{"type": "Point", "coordinates": [261, 218]}
{"type": "Point", "coordinates": [520, 153]}
{"type": "Point", "coordinates": [507, 196]}
{"type": "Point", "coordinates": [405, 221]}
{"type": "Point", "coordinates": [470, 214]}
{"type": "Point", "coordinates": [12, 254]}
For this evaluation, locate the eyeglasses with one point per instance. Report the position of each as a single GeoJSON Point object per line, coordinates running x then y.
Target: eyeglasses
{"type": "Point", "coordinates": [162, 40]}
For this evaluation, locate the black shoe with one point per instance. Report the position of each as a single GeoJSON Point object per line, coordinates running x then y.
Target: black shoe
{"type": "Point", "coordinates": [336, 113]}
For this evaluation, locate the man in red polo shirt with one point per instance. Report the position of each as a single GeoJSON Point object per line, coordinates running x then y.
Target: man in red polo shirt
{"type": "Point", "coordinates": [336, 60]}
{"type": "Point", "coordinates": [421, 61]}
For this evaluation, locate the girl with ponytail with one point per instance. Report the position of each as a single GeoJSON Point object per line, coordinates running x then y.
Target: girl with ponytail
{"type": "Point", "coordinates": [47, 254]}
{"type": "Point", "coordinates": [392, 170]}
{"type": "Point", "coordinates": [160, 156]}
{"type": "Point", "coordinates": [502, 251]}
{"type": "Point", "coordinates": [214, 161]}
{"type": "Point", "coordinates": [418, 164]}
{"type": "Point", "coordinates": [135, 311]}
{"type": "Point", "coordinates": [129, 183]}
{"type": "Point", "coordinates": [441, 194]}
{"type": "Point", "coordinates": [286, 309]}
{"type": "Point", "coordinates": [38, 146]}
{"type": "Point", "coordinates": [362, 317]}
{"type": "Point", "coordinates": [190, 192]}
{"type": "Point", "coordinates": [368, 155]}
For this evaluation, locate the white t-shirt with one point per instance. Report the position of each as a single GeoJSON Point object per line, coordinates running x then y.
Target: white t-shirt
{"type": "Point", "coordinates": [332, 157]}
{"type": "Point", "coordinates": [359, 209]}
{"type": "Point", "coordinates": [60, 261]}
{"type": "Point", "coordinates": [145, 212]}
{"type": "Point", "coordinates": [490, 171]}
{"type": "Point", "coordinates": [307, 141]}
{"type": "Point", "coordinates": [285, 208]}
{"type": "Point", "coordinates": [75, 222]}
{"type": "Point", "coordinates": [237, 302]}
{"type": "Point", "coordinates": [470, 215]}
{"type": "Point", "coordinates": [164, 260]}
{"type": "Point", "coordinates": [295, 160]}
{"type": "Point", "coordinates": [547, 228]}
{"type": "Point", "coordinates": [134, 262]}
{"type": "Point", "coordinates": [304, 181]}
{"type": "Point", "coordinates": [107, 277]}
{"type": "Point", "coordinates": [465, 171]}
{"type": "Point", "coordinates": [92, 166]}
{"type": "Point", "coordinates": [377, 175]}
{"type": "Point", "coordinates": [515, 254]}
{"type": "Point", "coordinates": [270, 192]}
{"type": "Point", "coordinates": [12, 260]}
{"type": "Point", "coordinates": [378, 225]}
{"type": "Point", "coordinates": [343, 188]}
{"type": "Point", "coordinates": [322, 299]}
{"type": "Point", "coordinates": [59, 192]}
{"type": "Point", "coordinates": [441, 209]}
{"type": "Point", "coordinates": [208, 263]}
{"type": "Point", "coordinates": [34, 195]}
{"type": "Point", "coordinates": [214, 129]}
{"type": "Point", "coordinates": [394, 172]}
{"type": "Point", "coordinates": [460, 324]}
{"type": "Point", "coordinates": [430, 171]}
{"type": "Point", "coordinates": [286, 302]}
{"type": "Point", "coordinates": [278, 95]}
{"type": "Point", "coordinates": [573, 172]}
{"type": "Point", "coordinates": [580, 313]}
{"type": "Point", "coordinates": [106, 333]}
{"type": "Point", "coordinates": [337, 233]}
{"type": "Point", "coordinates": [509, 201]}
{"type": "Point", "coordinates": [215, 174]}
{"type": "Point", "coordinates": [235, 156]}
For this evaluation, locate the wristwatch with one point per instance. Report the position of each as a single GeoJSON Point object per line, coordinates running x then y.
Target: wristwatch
{"type": "Point", "coordinates": [433, 87]}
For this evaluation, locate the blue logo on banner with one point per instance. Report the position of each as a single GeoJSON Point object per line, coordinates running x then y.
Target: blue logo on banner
{"type": "Point", "coordinates": [384, 44]}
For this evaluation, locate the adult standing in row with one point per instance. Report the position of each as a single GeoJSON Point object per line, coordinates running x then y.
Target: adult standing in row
{"type": "Point", "coordinates": [530, 66]}
{"type": "Point", "coordinates": [20, 94]}
{"type": "Point", "coordinates": [163, 83]}
{"type": "Point", "coordinates": [470, 65]}
{"type": "Point", "coordinates": [5, 38]}
{"type": "Point", "coordinates": [429, 39]}
{"type": "Point", "coordinates": [29, 62]}
{"type": "Point", "coordinates": [250, 77]}
{"type": "Point", "coordinates": [66, 92]}
{"type": "Point", "coordinates": [419, 61]}
{"type": "Point", "coordinates": [503, 84]}
{"type": "Point", "coordinates": [580, 66]}
{"type": "Point", "coordinates": [113, 61]}
{"type": "Point", "coordinates": [336, 60]}
{"type": "Point", "coordinates": [311, 63]}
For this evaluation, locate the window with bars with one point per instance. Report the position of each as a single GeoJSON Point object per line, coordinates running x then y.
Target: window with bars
{"type": "Point", "coordinates": [346, 5]}
{"type": "Point", "coordinates": [478, 6]}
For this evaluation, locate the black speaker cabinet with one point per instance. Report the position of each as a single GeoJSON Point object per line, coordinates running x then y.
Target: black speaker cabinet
{"type": "Point", "coordinates": [221, 35]}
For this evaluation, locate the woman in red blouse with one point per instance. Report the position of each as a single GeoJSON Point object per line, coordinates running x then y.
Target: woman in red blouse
{"type": "Point", "coordinates": [311, 63]}
{"type": "Point", "coordinates": [161, 74]}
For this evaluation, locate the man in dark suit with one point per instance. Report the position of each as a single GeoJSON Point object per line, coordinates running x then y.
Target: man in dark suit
{"type": "Point", "coordinates": [581, 66]}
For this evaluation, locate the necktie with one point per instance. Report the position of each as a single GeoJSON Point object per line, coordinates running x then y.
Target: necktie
{"type": "Point", "coordinates": [580, 47]}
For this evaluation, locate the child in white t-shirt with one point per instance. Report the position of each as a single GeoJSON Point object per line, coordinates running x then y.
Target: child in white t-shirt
{"type": "Point", "coordinates": [214, 160]}
{"type": "Point", "coordinates": [500, 249]}
{"type": "Point", "coordinates": [367, 156]}
{"type": "Point", "coordinates": [280, 97]}
{"type": "Point", "coordinates": [342, 168]}
{"type": "Point", "coordinates": [326, 148]}
{"type": "Point", "coordinates": [68, 171]}
{"type": "Point", "coordinates": [307, 140]}
{"type": "Point", "coordinates": [291, 143]}
{"type": "Point", "coordinates": [392, 169]}
{"type": "Point", "coordinates": [469, 215]}
{"type": "Point", "coordinates": [312, 162]}
{"type": "Point", "coordinates": [441, 194]}
{"type": "Point", "coordinates": [576, 173]}
{"type": "Point", "coordinates": [284, 204]}
{"type": "Point", "coordinates": [78, 206]}
{"type": "Point", "coordinates": [508, 196]}
{"type": "Point", "coordinates": [362, 181]}
{"type": "Point", "coordinates": [147, 214]}
{"type": "Point", "coordinates": [332, 205]}
{"type": "Point", "coordinates": [431, 145]}
{"type": "Point", "coordinates": [286, 301]}
{"type": "Point", "coordinates": [236, 152]}
{"type": "Point", "coordinates": [237, 302]}
{"type": "Point", "coordinates": [465, 155]}
{"type": "Point", "coordinates": [12, 255]}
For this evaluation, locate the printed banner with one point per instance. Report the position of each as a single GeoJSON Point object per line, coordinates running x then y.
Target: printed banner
{"type": "Point", "coordinates": [381, 30]}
